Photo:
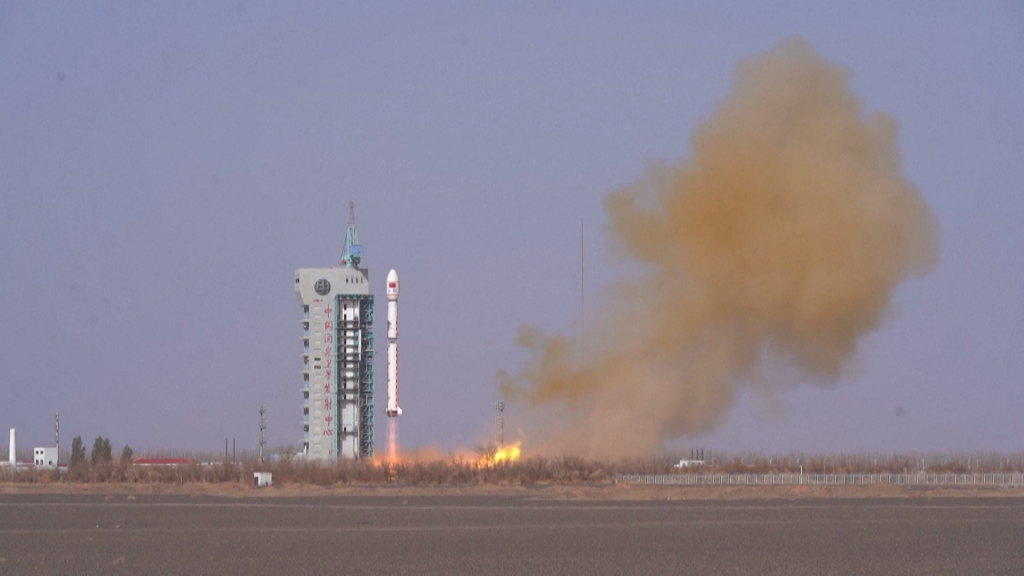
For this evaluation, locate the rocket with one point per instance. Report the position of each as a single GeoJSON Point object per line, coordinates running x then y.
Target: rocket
{"type": "Point", "coordinates": [392, 409]}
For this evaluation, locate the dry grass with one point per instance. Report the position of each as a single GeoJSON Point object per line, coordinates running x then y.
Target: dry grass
{"type": "Point", "coordinates": [457, 471]}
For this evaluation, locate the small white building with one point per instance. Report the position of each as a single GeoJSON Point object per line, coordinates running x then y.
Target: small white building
{"type": "Point", "coordinates": [45, 457]}
{"type": "Point", "coordinates": [262, 479]}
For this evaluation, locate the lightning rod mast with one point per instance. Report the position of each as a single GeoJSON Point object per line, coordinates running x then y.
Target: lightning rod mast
{"type": "Point", "coordinates": [263, 428]}
{"type": "Point", "coordinates": [499, 421]}
{"type": "Point", "coordinates": [353, 249]}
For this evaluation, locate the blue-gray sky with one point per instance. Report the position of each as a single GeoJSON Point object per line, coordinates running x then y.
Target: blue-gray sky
{"type": "Point", "coordinates": [164, 169]}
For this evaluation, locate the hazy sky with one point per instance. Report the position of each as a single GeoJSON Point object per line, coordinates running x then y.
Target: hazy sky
{"type": "Point", "coordinates": [165, 167]}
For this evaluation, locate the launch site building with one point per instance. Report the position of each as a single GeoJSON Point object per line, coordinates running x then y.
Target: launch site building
{"type": "Point", "coordinates": [337, 356]}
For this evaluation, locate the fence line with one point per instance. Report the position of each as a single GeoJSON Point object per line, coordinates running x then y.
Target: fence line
{"type": "Point", "coordinates": [1004, 480]}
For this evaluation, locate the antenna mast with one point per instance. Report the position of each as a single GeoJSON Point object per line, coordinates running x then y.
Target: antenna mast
{"type": "Point", "coordinates": [263, 427]}
{"type": "Point", "coordinates": [499, 422]}
{"type": "Point", "coordinates": [583, 304]}
{"type": "Point", "coordinates": [353, 249]}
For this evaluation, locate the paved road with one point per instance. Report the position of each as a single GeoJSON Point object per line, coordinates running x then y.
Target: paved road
{"type": "Point", "coordinates": [506, 535]}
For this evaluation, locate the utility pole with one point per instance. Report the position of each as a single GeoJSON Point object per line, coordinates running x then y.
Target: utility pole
{"type": "Point", "coordinates": [263, 427]}
{"type": "Point", "coordinates": [56, 432]}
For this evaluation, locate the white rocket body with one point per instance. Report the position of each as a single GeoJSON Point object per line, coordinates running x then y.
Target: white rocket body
{"type": "Point", "coordinates": [12, 459]}
{"type": "Point", "coordinates": [392, 320]}
{"type": "Point", "coordinates": [392, 409]}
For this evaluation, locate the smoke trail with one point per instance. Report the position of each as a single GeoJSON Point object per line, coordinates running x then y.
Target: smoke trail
{"type": "Point", "coordinates": [780, 240]}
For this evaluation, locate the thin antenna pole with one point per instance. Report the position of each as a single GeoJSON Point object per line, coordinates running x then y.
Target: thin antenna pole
{"type": "Point", "coordinates": [263, 427]}
{"type": "Point", "coordinates": [583, 303]}
{"type": "Point", "coordinates": [500, 421]}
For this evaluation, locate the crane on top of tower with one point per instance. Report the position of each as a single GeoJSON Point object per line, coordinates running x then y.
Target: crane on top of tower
{"type": "Point", "coordinates": [353, 249]}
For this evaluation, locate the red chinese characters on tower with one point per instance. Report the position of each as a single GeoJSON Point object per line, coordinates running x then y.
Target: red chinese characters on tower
{"type": "Point", "coordinates": [325, 370]}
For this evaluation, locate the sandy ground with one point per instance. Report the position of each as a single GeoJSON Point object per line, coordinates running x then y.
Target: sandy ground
{"type": "Point", "coordinates": [538, 491]}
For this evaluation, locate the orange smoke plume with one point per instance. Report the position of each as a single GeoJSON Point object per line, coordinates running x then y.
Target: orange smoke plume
{"type": "Point", "coordinates": [781, 239]}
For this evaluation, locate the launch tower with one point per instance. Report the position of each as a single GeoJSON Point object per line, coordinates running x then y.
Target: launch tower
{"type": "Point", "coordinates": [337, 355]}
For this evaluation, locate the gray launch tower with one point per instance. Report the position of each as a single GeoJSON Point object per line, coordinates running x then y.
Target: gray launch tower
{"type": "Point", "coordinates": [337, 355]}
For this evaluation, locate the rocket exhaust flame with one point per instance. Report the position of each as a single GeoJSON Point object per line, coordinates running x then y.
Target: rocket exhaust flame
{"type": "Point", "coordinates": [393, 451]}
{"type": "Point", "coordinates": [779, 241]}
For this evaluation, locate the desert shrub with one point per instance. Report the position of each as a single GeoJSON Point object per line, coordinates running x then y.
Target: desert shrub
{"type": "Point", "coordinates": [36, 476]}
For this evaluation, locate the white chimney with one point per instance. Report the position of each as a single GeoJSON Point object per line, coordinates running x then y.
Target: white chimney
{"type": "Point", "coordinates": [12, 460]}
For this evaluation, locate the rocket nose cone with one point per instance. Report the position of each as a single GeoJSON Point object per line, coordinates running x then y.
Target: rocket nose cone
{"type": "Point", "coordinates": [392, 290]}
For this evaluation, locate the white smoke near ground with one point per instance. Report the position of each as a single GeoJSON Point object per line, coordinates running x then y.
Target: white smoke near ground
{"type": "Point", "coordinates": [781, 239]}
